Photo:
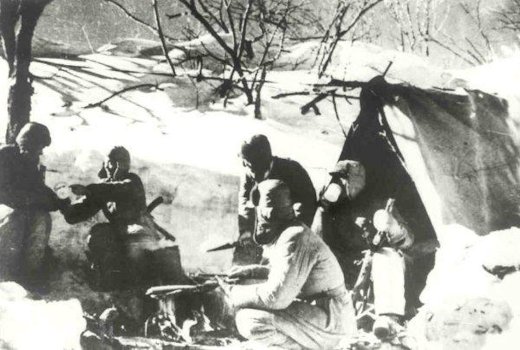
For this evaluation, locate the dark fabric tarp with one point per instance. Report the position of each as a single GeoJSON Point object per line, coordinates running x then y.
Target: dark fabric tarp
{"type": "Point", "coordinates": [469, 153]}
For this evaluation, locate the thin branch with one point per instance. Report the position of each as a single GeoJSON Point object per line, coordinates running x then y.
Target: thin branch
{"type": "Point", "coordinates": [199, 17]}
{"type": "Point", "coordinates": [359, 16]}
{"type": "Point", "coordinates": [161, 36]}
{"type": "Point", "coordinates": [117, 93]}
{"type": "Point", "coordinates": [288, 94]}
{"type": "Point", "coordinates": [210, 13]}
{"type": "Point", "coordinates": [137, 19]}
{"type": "Point", "coordinates": [305, 108]}
{"type": "Point", "coordinates": [446, 47]}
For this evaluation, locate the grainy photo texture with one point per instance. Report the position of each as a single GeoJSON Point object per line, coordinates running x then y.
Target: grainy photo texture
{"type": "Point", "coordinates": [260, 174]}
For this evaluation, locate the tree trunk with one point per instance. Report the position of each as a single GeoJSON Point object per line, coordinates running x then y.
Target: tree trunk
{"type": "Point", "coordinates": [258, 91]}
{"type": "Point", "coordinates": [18, 50]}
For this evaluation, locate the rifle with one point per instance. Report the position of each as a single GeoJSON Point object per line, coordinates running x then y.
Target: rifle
{"type": "Point", "coordinates": [154, 204]}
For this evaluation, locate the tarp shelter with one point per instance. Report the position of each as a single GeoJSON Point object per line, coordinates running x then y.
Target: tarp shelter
{"type": "Point", "coordinates": [461, 148]}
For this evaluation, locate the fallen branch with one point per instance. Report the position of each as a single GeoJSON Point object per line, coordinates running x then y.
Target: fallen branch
{"type": "Point", "coordinates": [308, 93]}
{"type": "Point", "coordinates": [305, 108]}
{"type": "Point", "coordinates": [288, 94]}
{"type": "Point", "coordinates": [117, 93]}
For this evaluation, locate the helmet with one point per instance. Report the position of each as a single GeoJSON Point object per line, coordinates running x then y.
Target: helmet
{"type": "Point", "coordinates": [33, 136]}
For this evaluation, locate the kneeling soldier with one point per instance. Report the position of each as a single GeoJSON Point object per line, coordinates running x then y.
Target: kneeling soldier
{"type": "Point", "coordinates": [303, 303]}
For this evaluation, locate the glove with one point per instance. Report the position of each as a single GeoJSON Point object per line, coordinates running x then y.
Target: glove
{"type": "Point", "coordinates": [331, 195]}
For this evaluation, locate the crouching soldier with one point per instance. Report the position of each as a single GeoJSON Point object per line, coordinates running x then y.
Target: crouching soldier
{"type": "Point", "coordinates": [402, 248]}
{"type": "Point", "coordinates": [25, 202]}
{"type": "Point", "coordinates": [303, 304]}
{"type": "Point", "coordinates": [121, 197]}
{"type": "Point", "coordinates": [260, 164]}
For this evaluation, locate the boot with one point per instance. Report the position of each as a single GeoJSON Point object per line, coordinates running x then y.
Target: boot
{"type": "Point", "coordinates": [386, 327]}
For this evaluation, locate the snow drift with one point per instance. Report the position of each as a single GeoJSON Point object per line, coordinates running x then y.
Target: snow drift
{"type": "Point", "coordinates": [28, 324]}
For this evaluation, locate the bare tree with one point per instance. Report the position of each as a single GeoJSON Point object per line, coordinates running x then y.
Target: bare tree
{"type": "Point", "coordinates": [418, 21]}
{"type": "Point", "coordinates": [348, 18]}
{"type": "Point", "coordinates": [509, 16]}
{"type": "Point", "coordinates": [476, 49]}
{"type": "Point", "coordinates": [250, 36]}
{"type": "Point", "coordinates": [17, 50]}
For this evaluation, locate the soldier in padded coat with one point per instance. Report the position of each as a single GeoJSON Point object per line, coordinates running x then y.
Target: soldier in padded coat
{"type": "Point", "coordinates": [259, 164]}
{"type": "Point", "coordinates": [121, 197]}
{"type": "Point", "coordinates": [303, 302]}
{"type": "Point", "coordinates": [25, 203]}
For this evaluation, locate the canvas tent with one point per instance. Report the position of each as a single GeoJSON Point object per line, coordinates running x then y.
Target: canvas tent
{"type": "Point", "coordinates": [460, 148]}
{"type": "Point", "coordinates": [446, 157]}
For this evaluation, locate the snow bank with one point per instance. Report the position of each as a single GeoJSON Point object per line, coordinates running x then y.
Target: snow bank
{"type": "Point", "coordinates": [27, 324]}
{"type": "Point", "coordinates": [361, 61]}
{"type": "Point", "coordinates": [466, 307]}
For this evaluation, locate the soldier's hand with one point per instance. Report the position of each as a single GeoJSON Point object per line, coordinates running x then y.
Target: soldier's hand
{"type": "Point", "coordinates": [240, 272]}
{"type": "Point", "coordinates": [226, 288]}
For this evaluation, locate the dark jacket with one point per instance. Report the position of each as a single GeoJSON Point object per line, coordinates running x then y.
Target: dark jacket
{"type": "Point", "coordinates": [22, 183]}
{"type": "Point", "coordinates": [123, 201]}
{"type": "Point", "coordinates": [296, 178]}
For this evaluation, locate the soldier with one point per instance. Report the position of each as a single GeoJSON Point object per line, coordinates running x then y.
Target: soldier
{"type": "Point", "coordinates": [259, 164]}
{"type": "Point", "coordinates": [26, 202]}
{"type": "Point", "coordinates": [403, 246]}
{"type": "Point", "coordinates": [300, 266]}
{"type": "Point", "coordinates": [121, 197]}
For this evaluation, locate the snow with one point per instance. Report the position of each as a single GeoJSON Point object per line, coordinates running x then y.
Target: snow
{"type": "Point", "coordinates": [459, 282]}
{"type": "Point", "coordinates": [186, 155]}
{"type": "Point", "coordinates": [361, 61]}
{"type": "Point", "coordinates": [28, 324]}
{"type": "Point", "coordinates": [189, 156]}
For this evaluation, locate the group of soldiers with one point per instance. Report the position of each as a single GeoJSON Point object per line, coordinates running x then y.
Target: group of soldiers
{"type": "Point", "coordinates": [25, 226]}
{"type": "Point", "coordinates": [302, 300]}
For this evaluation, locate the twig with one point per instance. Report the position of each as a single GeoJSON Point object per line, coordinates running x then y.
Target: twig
{"type": "Point", "coordinates": [136, 19]}
{"type": "Point", "coordinates": [117, 93]}
{"type": "Point", "coordinates": [288, 94]}
{"type": "Point", "coordinates": [161, 36]}
{"type": "Point", "coordinates": [190, 4]}
{"type": "Point", "coordinates": [305, 108]}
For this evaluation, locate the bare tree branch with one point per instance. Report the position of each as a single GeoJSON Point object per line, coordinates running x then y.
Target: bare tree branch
{"type": "Point", "coordinates": [161, 36]}
{"type": "Point", "coordinates": [122, 91]}
{"type": "Point", "coordinates": [137, 19]}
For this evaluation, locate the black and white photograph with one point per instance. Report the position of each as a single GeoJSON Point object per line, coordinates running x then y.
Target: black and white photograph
{"type": "Point", "coordinates": [260, 174]}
